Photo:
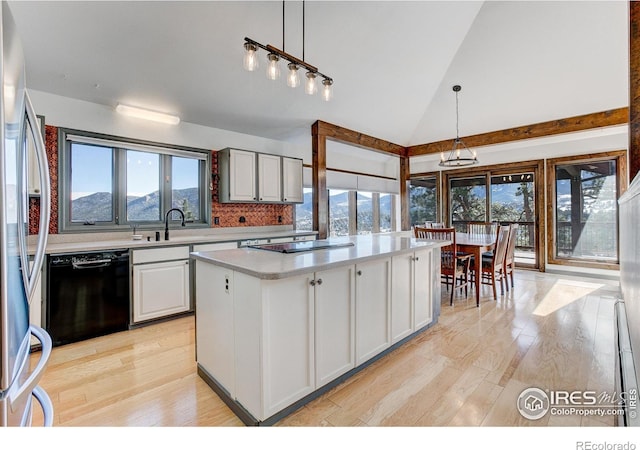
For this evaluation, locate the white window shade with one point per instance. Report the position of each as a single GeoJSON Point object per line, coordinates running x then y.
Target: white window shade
{"type": "Point", "coordinates": [376, 184]}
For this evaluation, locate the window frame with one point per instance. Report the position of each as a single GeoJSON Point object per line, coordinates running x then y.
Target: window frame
{"type": "Point", "coordinates": [620, 157]}
{"type": "Point", "coordinates": [119, 146]}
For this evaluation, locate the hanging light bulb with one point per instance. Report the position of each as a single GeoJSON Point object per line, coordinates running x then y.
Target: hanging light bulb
{"type": "Point", "coordinates": [250, 60]}
{"type": "Point", "coordinates": [273, 70]}
{"type": "Point", "coordinates": [293, 80]}
{"type": "Point", "coordinates": [327, 93]}
{"type": "Point", "coordinates": [310, 85]}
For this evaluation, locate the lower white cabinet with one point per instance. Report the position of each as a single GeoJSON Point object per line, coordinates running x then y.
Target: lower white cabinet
{"type": "Point", "coordinates": [214, 324]}
{"type": "Point", "coordinates": [411, 293]}
{"type": "Point", "coordinates": [160, 282]}
{"type": "Point", "coordinates": [373, 304]}
{"type": "Point", "coordinates": [334, 294]}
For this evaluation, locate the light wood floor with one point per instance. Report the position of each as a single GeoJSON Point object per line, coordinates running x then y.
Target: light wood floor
{"type": "Point", "coordinates": [552, 332]}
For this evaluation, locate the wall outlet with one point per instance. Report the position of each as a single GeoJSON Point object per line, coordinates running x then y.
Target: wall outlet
{"type": "Point", "coordinates": [279, 219]}
{"type": "Point", "coordinates": [242, 219]}
{"type": "Point", "coordinates": [216, 220]}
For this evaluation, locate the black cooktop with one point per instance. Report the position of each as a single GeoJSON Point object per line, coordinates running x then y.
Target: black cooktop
{"type": "Point", "coordinates": [306, 246]}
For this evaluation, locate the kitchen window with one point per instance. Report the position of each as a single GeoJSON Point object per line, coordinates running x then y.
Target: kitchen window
{"type": "Point", "coordinates": [108, 183]}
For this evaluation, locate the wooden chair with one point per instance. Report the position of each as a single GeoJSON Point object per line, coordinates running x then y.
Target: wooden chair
{"type": "Point", "coordinates": [493, 269]}
{"type": "Point", "coordinates": [453, 265]}
{"type": "Point", "coordinates": [509, 258]}
{"type": "Point", "coordinates": [482, 228]}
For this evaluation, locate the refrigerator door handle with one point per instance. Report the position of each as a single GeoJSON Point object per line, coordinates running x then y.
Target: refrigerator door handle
{"type": "Point", "coordinates": [45, 196]}
{"type": "Point", "coordinates": [46, 405]}
{"type": "Point", "coordinates": [31, 383]}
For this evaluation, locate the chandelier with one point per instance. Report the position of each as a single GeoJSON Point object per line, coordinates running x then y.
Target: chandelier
{"type": "Point", "coordinates": [456, 157]}
{"type": "Point", "coordinates": [294, 64]}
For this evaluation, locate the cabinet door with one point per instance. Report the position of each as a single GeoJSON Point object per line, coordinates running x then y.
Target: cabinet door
{"type": "Point", "coordinates": [401, 296]}
{"type": "Point", "coordinates": [373, 280]}
{"type": "Point", "coordinates": [422, 274]}
{"type": "Point", "coordinates": [269, 178]}
{"type": "Point", "coordinates": [242, 176]}
{"type": "Point", "coordinates": [160, 289]}
{"type": "Point", "coordinates": [287, 341]}
{"type": "Point", "coordinates": [335, 323]}
{"type": "Point", "coordinates": [292, 180]}
{"type": "Point", "coordinates": [214, 323]}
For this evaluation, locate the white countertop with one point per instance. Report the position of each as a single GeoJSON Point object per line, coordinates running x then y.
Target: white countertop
{"type": "Point", "coordinates": [270, 265]}
{"type": "Point", "coordinates": [175, 238]}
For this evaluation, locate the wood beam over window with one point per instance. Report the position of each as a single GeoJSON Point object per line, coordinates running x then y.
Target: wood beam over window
{"type": "Point", "coordinates": [601, 119]}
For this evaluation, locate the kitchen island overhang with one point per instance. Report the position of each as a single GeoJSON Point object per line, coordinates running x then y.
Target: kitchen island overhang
{"type": "Point", "coordinates": [276, 330]}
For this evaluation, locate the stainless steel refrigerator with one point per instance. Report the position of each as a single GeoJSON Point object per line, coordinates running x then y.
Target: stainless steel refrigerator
{"type": "Point", "coordinates": [18, 275]}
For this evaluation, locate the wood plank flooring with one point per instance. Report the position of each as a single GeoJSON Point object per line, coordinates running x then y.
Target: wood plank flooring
{"type": "Point", "coordinates": [550, 331]}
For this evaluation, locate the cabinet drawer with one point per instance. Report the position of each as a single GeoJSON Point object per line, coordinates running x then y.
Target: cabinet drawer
{"type": "Point", "coordinates": [216, 246]}
{"type": "Point", "coordinates": [160, 254]}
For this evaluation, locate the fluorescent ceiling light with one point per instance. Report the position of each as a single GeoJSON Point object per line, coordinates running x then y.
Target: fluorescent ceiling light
{"type": "Point", "coordinates": [147, 114]}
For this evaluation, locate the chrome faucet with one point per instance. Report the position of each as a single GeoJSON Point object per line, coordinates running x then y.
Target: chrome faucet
{"type": "Point", "coordinates": [166, 222]}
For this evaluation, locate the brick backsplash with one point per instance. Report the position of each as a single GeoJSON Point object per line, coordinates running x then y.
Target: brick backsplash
{"type": "Point", "coordinates": [228, 213]}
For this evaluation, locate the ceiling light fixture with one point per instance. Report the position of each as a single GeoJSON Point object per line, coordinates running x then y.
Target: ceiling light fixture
{"type": "Point", "coordinates": [274, 55]}
{"type": "Point", "coordinates": [147, 114]}
{"type": "Point", "coordinates": [456, 158]}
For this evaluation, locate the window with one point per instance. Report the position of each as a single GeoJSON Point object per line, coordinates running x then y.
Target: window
{"type": "Point", "coordinates": [423, 200]}
{"type": "Point", "coordinates": [585, 208]}
{"type": "Point", "coordinates": [338, 212]}
{"type": "Point", "coordinates": [468, 201]}
{"type": "Point", "coordinates": [387, 213]}
{"type": "Point", "coordinates": [505, 193]}
{"type": "Point", "coordinates": [365, 213]}
{"type": "Point", "coordinates": [304, 211]}
{"type": "Point", "coordinates": [110, 184]}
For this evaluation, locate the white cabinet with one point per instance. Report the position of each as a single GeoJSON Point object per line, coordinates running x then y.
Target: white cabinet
{"type": "Point", "coordinates": [269, 178]}
{"type": "Point", "coordinates": [246, 176]}
{"type": "Point", "coordinates": [214, 324]}
{"type": "Point", "coordinates": [237, 176]}
{"type": "Point", "coordinates": [402, 276]}
{"type": "Point", "coordinates": [160, 282]}
{"type": "Point", "coordinates": [422, 283]}
{"type": "Point", "coordinates": [411, 287]}
{"type": "Point", "coordinates": [373, 304]}
{"type": "Point", "coordinates": [274, 342]}
{"type": "Point", "coordinates": [292, 180]}
{"type": "Point", "coordinates": [334, 294]}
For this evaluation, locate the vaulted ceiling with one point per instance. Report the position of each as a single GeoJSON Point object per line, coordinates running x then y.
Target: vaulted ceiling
{"type": "Point", "coordinates": [394, 63]}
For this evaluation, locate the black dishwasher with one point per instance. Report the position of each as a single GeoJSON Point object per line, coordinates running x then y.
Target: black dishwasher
{"type": "Point", "coordinates": [87, 295]}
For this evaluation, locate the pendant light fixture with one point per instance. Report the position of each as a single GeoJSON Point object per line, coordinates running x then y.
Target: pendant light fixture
{"type": "Point", "coordinates": [250, 63]}
{"type": "Point", "coordinates": [460, 155]}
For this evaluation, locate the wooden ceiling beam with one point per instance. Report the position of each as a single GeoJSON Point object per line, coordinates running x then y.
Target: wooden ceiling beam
{"type": "Point", "coordinates": [340, 134]}
{"type": "Point", "coordinates": [601, 119]}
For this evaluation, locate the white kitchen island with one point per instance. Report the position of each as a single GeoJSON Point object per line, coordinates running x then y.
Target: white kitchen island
{"type": "Point", "coordinates": [275, 330]}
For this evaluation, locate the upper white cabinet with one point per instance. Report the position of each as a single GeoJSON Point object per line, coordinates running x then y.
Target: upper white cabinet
{"type": "Point", "coordinates": [269, 178]}
{"type": "Point", "coordinates": [245, 176]}
{"type": "Point", "coordinates": [292, 180]}
{"type": "Point", "coordinates": [237, 172]}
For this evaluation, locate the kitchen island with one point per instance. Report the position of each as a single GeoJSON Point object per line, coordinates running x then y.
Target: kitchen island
{"type": "Point", "coordinates": [275, 330]}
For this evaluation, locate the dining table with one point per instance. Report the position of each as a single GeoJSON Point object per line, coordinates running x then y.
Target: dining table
{"type": "Point", "coordinates": [476, 245]}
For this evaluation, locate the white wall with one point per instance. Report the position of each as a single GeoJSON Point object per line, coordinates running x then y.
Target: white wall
{"type": "Point", "coordinates": [71, 113]}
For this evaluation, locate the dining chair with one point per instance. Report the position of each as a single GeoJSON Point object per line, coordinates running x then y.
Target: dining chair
{"type": "Point", "coordinates": [434, 225]}
{"type": "Point", "coordinates": [453, 264]}
{"type": "Point", "coordinates": [489, 228]}
{"type": "Point", "coordinates": [509, 258]}
{"type": "Point", "coordinates": [493, 268]}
